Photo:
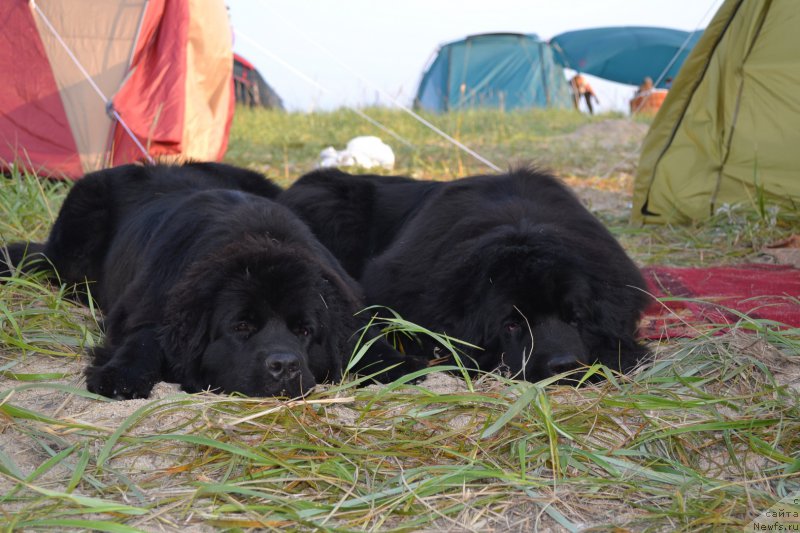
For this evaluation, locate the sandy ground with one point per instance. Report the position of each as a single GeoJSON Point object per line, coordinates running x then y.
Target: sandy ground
{"type": "Point", "coordinates": [109, 414]}
{"type": "Point", "coordinates": [524, 514]}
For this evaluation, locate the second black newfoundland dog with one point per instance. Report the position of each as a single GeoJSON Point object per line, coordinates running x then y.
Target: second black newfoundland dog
{"type": "Point", "coordinates": [513, 264]}
{"type": "Point", "coordinates": [204, 281]}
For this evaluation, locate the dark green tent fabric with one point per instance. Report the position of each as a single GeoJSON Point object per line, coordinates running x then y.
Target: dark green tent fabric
{"type": "Point", "coordinates": [506, 71]}
{"type": "Point", "coordinates": [625, 54]}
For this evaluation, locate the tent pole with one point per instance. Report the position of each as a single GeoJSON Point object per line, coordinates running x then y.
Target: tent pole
{"type": "Point", "coordinates": [109, 105]}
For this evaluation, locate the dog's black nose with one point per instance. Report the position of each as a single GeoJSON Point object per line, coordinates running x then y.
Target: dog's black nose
{"type": "Point", "coordinates": [283, 365]}
{"type": "Point", "coordinates": [563, 363]}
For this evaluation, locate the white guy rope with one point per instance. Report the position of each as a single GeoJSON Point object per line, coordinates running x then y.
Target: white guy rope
{"type": "Point", "coordinates": [681, 49]}
{"type": "Point", "coordinates": [391, 98]}
{"type": "Point", "coordinates": [319, 86]}
{"type": "Point", "coordinates": [106, 101]}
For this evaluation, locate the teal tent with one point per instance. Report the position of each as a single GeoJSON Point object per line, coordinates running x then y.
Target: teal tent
{"type": "Point", "coordinates": [499, 70]}
{"type": "Point", "coordinates": [625, 54]}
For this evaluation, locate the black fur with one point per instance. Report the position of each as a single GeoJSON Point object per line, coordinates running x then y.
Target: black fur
{"type": "Point", "coordinates": [206, 282]}
{"type": "Point", "coordinates": [100, 203]}
{"type": "Point", "coordinates": [356, 216]}
{"type": "Point", "coordinates": [511, 263]}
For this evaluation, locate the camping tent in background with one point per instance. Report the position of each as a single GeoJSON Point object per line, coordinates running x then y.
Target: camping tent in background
{"type": "Point", "coordinates": [500, 70]}
{"type": "Point", "coordinates": [165, 68]}
{"type": "Point", "coordinates": [251, 88]}
{"type": "Point", "coordinates": [728, 131]}
{"type": "Point", "coordinates": [625, 54]}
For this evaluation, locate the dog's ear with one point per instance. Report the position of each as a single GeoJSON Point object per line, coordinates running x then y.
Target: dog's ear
{"type": "Point", "coordinates": [614, 315]}
{"type": "Point", "coordinates": [342, 300]}
{"type": "Point", "coordinates": [187, 320]}
{"type": "Point", "coordinates": [347, 326]}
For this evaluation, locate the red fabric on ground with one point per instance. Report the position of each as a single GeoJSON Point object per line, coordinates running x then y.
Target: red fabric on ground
{"type": "Point", "coordinates": [712, 297]}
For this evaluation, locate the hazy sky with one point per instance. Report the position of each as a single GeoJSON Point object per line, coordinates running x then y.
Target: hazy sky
{"type": "Point", "coordinates": [322, 54]}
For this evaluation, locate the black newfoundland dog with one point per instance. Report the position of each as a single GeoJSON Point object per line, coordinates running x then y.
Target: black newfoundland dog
{"type": "Point", "coordinates": [204, 281]}
{"type": "Point", "coordinates": [513, 264]}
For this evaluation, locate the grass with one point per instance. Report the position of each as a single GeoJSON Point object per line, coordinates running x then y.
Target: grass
{"type": "Point", "coordinates": [702, 438]}
{"type": "Point", "coordinates": [731, 236]}
{"type": "Point", "coordinates": [285, 145]}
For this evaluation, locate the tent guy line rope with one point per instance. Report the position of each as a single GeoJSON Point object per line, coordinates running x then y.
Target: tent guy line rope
{"type": "Point", "coordinates": [392, 99]}
{"type": "Point", "coordinates": [319, 86]}
{"type": "Point", "coordinates": [681, 49]}
{"type": "Point", "coordinates": [666, 69]}
{"type": "Point", "coordinates": [108, 103]}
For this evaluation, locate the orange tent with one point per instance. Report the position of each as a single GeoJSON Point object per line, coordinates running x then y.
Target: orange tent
{"type": "Point", "coordinates": [90, 84]}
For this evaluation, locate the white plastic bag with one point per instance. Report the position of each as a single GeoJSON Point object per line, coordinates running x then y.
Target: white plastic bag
{"type": "Point", "coordinates": [365, 152]}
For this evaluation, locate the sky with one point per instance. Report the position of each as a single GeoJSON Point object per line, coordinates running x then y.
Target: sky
{"type": "Point", "coordinates": [325, 54]}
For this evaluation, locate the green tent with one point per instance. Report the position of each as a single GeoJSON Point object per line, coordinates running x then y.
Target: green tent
{"type": "Point", "coordinates": [729, 130]}
{"type": "Point", "coordinates": [500, 70]}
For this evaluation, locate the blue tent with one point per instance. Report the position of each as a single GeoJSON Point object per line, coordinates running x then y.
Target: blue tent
{"type": "Point", "coordinates": [499, 70]}
{"type": "Point", "coordinates": [625, 54]}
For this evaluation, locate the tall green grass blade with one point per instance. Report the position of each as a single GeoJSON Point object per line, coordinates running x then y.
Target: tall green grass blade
{"type": "Point", "coordinates": [64, 524]}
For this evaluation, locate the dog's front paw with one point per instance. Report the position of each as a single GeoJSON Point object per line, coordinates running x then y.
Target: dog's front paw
{"type": "Point", "coordinates": [118, 383]}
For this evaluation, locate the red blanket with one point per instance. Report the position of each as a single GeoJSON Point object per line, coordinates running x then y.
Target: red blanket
{"type": "Point", "coordinates": [695, 300]}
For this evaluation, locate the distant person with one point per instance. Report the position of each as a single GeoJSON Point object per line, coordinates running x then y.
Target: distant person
{"type": "Point", "coordinates": [582, 89]}
{"type": "Point", "coordinates": [668, 83]}
{"type": "Point", "coordinates": [647, 99]}
{"type": "Point", "coordinates": [646, 87]}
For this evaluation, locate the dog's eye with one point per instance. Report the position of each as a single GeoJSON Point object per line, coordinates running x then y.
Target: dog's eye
{"type": "Point", "coordinates": [512, 327]}
{"type": "Point", "coordinates": [302, 331]}
{"type": "Point", "coordinates": [243, 327]}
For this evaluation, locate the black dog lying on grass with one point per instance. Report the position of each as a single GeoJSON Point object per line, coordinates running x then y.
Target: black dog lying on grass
{"type": "Point", "coordinates": [206, 282]}
{"type": "Point", "coordinates": [512, 263]}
